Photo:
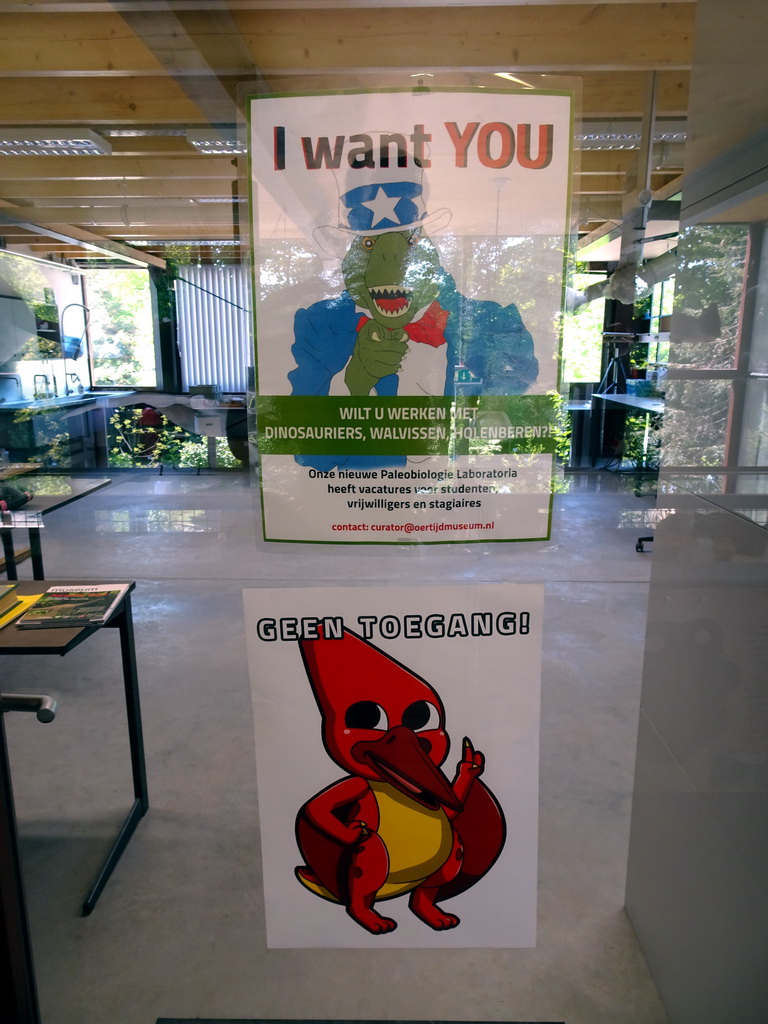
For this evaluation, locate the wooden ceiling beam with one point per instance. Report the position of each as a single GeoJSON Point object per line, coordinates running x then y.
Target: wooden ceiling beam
{"type": "Point", "coordinates": [137, 101]}
{"type": "Point", "coordinates": [96, 6]}
{"type": "Point", "coordinates": [64, 42]}
{"type": "Point", "coordinates": [607, 95]}
{"type": "Point", "coordinates": [103, 168]}
{"type": "Point", "coordinates": [67, 190]}
{"type": "Point", "coordinates": [598, 210]}
{"type": "Point", "coordinates": [567, 37]}
{"type": "Point", "coordinates": [157, 146]}
{"type": "Point", "coordinates": [609, 185]}
{"type": "Point", "coordinates": [191, 58]}
{"type": "Point", "coordinates": [642, 36]}
{"type": "Point", "coordinates": [96, 101]}
{"type": "Point", "coordinates": [10, 219]}
{"type": "Point", "coordinates": [160, 101]}
{"type": "Point", "coordinates": [135, 215]}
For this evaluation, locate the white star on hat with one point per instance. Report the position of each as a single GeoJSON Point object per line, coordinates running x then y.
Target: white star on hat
{"type": "Point", "coordinates": [383, 207]}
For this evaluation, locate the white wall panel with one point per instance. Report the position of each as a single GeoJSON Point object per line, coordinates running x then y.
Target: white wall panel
{"type": "Point", "coordinates": [214, 319]}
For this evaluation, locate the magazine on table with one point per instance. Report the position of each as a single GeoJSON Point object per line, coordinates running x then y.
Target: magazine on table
{"type": "Point", "coordinates": [70, 606]}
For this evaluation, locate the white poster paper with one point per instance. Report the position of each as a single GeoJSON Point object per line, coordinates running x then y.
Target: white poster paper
{"type": "Point", "coordinates": [397, 734]}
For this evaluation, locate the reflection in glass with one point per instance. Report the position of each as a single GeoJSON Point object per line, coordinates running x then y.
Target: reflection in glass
{"type": "Point", "coordinates": [752, 483]}
{"type": "Point", "coordinates": [121, 327]}
{"type": "Point", "coordinates": [42, 330]}
{"type": "Point", "coordinates": [758, 355]}
{"type": "Point", "coordinates": [50, 486]}
{"type": "Point", "coordinates": [706, 404]}
{"type": "Point", "coordinates": [142, 437]}
{"type": "Point", "coordinates": [174, 520]}
{"type": "Point", "coordinates": [754, 438]}
{"type": "Point", "coordinates": [642, 518]}
{"type": "Point", "coordinates": [582, 335]}
{"type": "Point", "coordinates": [708, 295]}
{"type": "Point", "coordinates": [701, 483]}
{"type": "Point", "coordinates": [520, 274]}
{"type": "Point", "coordinates": [750, 511]}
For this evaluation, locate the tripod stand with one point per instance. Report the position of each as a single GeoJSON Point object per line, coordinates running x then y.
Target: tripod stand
{"type": "Point", "coordinates": [614, 380]}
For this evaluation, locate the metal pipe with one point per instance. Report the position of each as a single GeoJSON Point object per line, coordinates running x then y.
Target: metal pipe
{"type": "Point", "coordinates": [38, 703]}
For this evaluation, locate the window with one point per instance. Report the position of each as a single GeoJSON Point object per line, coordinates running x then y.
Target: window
{"type": "Point", "coordinates": [121, 327]}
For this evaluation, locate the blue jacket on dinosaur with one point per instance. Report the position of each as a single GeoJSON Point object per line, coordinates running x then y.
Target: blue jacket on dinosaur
{"type": "Point", "coordinates": [490, 340]}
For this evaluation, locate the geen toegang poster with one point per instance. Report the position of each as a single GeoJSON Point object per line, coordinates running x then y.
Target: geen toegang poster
{"type": "Point", "coordinates": [397, 735]}
{"type": "Point", "coordinates": [408, 279]}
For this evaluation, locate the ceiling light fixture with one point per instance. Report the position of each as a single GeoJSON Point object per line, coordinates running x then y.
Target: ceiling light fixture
{"type": "Point", "coordinates": [144, 133]}
{"type": "Point", "coordinates": [215, 141]}
{"type": "Point", "coordinates": [52, 142]}
{"type": "Point", "coordinates": [626, 135]}
{"type": "Point", "coordinates": [220, 199]}
{"type": "Point", "coordinates": [156, 242]}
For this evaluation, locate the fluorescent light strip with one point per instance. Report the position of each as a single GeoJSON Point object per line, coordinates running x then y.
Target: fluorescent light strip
{"type": "Point", "coordinates": [156, 242]}
{"type": "Point", "coordinates": [626, 135]}
{"type": "Point", "coordinates": [220, 199]}
{"type": "Point", "coordinates": [215, 142]}
{"type": "Point", "coordinates": [52, 142]}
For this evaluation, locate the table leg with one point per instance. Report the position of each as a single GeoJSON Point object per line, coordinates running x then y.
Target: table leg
{"type": "Point", "coordinates": [135, 815]}
{"type": "Point", "coordinates": [133, 706]}
{"type": "Point", "coordinates": [124, 622]}
{"type": "Point", "coordinates": [9, 554]}
{"type": "Point", "coordinates": [18, 990]}
{"type": "Point", "coordinates": [36, 553]}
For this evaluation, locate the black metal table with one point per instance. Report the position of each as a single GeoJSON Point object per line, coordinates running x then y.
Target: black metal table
{"type": "Point", "coordinates": [58, 491]}
{"type": "Point", "coordinates": [61, 641]}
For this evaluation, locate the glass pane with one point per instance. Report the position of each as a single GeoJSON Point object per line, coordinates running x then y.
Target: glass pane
{"type": "Point", "coordinates": [758, 361]}
{"type": "Point", "coordinates": [43, 355]}
{"type": "Point", "coordinates": [754, 438]}
{"type": "Point", "coordinates": [582, 335]}
{"type": "Point", "coordinates": [142, 437]}
{"type": "Point", "coordinates": [121, 327]}
{"type": "Point", "coordinates": [706, 404]}
{"type": "Point", "coordinates": [708, 295]}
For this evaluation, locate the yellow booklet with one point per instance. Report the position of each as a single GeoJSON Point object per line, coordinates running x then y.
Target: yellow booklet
{"type": "Point", "coordinates": [24, 604]}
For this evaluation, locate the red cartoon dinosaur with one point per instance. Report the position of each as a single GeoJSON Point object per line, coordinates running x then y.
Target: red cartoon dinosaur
{"type": "Point", "coordinates": [395, 824]}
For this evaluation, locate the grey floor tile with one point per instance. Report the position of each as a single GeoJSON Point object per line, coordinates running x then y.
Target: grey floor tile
{"type": "Point", "coordinates": [179, 930]}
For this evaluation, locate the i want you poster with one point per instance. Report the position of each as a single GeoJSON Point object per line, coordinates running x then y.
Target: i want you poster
{"type": "Point", "coordinates": [408, 279]}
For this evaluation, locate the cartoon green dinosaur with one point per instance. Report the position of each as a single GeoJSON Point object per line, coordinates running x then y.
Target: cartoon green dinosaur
{"type": "Point", "coordinates": [393, 275]}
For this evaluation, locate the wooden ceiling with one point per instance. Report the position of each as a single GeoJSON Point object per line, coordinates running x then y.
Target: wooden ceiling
{"type": "Point", "coordinates": [141, 73]}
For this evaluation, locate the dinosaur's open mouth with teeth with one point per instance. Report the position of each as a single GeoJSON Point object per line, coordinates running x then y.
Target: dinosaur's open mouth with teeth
{"type": "Point", "coordinates": [391, 301]}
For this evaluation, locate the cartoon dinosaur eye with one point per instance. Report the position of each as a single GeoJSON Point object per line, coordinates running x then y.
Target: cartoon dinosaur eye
{"type": "Point", "coordinates": [368, 243]}
{"type": "Point", "coordinates": [421, 715]}
{"type": "Point", "coordinates": [415, 237]}
{"type": "Point", "coordinates": [365, 714]}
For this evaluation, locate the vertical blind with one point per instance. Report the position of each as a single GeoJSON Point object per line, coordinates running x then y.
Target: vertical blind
{"type": "Point", "coordinates": [213, 307]}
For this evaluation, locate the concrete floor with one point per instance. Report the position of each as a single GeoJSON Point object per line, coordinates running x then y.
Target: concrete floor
{"type": "Point", "coordinates": [179, 930]}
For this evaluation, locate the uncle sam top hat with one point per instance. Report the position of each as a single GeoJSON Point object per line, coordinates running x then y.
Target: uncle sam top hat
{"type": "Point", "coordinates": [380, 199]}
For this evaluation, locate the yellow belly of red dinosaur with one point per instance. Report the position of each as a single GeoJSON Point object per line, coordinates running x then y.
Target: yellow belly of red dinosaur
{"type": "Point", "coordinates": [418, 842]}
